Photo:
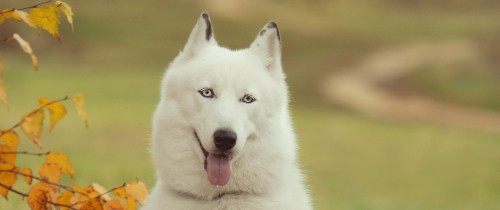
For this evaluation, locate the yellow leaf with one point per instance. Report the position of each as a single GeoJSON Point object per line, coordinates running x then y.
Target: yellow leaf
{"type": "Point", "coordinates": [65, 199]}
{"type": "Point", "coordinates": [34, 61]}
{"type": "Point", "coordinates": [77, 200]}
{"type": "Point", "coordinates": [39, 195]}
{"type": "Point", "coordinates": [80, 107]}
{"type": "Point", "coordinates": [130, 201]}
{"type": "Point", "coordinates": [62, 162]}
{"type": "Point", "coordinates": [7, 14]}
{"type": "Point", "coordinates": [32, 124]}
{"type": "Point", "coordinates": [27, 174]}
{"type": "Point", "coordinates": [25, 17]}
{"type": "Point", "coordinates": [3, 94]}
{"type": "Point", "coordinates": [24, 44]}
{"type": "Point", "coordinates": [81, 190]}
{"type": "Point", "coordinates": [38, 200]}
{"type": "Point", "coordinates": [9, 138]}
{"type": "Point", "coordinates": [6, 178]}
{"type": "Point", "coordinates": [137, 190]}
{"type": "Point", "coordinates": [51, 172]}
{"type": "Point", "coordinates": [87, 191]}
{"type": "Point", "coordinates": [131, 204]}
{"type": "Point", "coordinates": [56, 110]}
{"type": "Point", "coordinates": [101, 190]}
{"type": "Point", "coordinates": [87, 198]}
{"type": "Point", "coordinates": [8, 147]}
{"type": "Point", "coordinates": [66, 9]}
{"type": "Point", "coordinates": [120, 192]}
{"type": "Point", "coordinates": [114, 204]}
{"type": "Point", "coordinates": [92, 204]}
{"type": "Point", "coordinates": [27, 49]}
{"type": "Point", "coordinates": [47, 18]}
{"type": "Point", "coordinates": [9, 156]}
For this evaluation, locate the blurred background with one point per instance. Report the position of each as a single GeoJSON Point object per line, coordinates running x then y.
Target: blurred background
{"type": "Point", "coordinates": [396, 103]}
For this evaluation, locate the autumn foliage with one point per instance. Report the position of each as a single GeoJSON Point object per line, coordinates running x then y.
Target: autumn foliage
{"type": "Point", "coordinates": [46, 190]}
{"type": "Point", "coordinates": [44, 15]}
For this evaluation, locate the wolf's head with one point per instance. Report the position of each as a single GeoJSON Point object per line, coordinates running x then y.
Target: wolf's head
{"type": "Point", "coordinates": [222, 112]}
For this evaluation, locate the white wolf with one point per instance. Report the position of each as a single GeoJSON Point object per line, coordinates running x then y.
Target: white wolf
{"type": "Point", "coordinates": [222, 133]}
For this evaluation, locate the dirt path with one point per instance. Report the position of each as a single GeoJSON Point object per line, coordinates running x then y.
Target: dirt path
{"type": "Point", "coordinates": [357, 87]}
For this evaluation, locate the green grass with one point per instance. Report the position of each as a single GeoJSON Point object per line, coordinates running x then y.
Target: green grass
{"type": "Point", "coordinates": [360, 163]}
{"type": "Point", "coordinates": [352, 162]}
{"type": "Point", "coordinates": [472, 84]}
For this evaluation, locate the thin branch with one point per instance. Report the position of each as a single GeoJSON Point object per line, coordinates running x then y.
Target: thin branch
{"type": "Point", "coordinates": [40, 179]}
{"type": "Point", "coordinates": [109, 191]}
{"type": "Point", "coordinates": [72, 206]}
{"type": "Point", "coordinates": [113, 189]}
{"type": "Point", "coordinates": [25, 8]}
{"type": "Point", "coordinates": [26, 153]}
{"type": "Point", "coordinates": [24, 195]}
{"type": "Point", "coordinates": [62, 205]}
{"type": "Point", "coordinates": [31, 113]}
{"type": "Point", "coordinates": [36, 5]}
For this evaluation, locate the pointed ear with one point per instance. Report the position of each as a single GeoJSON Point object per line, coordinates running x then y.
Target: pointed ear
{"type": "Point", "coordinates": [201, 36]}
{"type": "Point", "coordinates": [267, 46]}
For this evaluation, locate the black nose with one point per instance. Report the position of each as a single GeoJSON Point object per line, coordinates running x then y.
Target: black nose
{"type": "Point", "coordinates": [224, 139]}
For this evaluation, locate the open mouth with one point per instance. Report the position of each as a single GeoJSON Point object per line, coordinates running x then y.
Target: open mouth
{"type": "Point", "coordinates": [205, 152]}
{"type": "Point", "coordinates": [217, 166]}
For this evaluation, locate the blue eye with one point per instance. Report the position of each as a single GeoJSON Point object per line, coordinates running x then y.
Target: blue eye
{"type": "Point", "coordinates": [248, 99]}
{"type": "Point", "coordinates": [207, 92]}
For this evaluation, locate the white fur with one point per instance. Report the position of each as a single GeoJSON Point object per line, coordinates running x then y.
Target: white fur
{"type": "Point", "coordinates": [264, 167]}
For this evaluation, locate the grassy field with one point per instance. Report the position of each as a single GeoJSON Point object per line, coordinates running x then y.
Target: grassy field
{"type": "Point", "coordinates": [352, 162]}
{"type": "Point", "coordinates": [359, 163]}
{"type": "Point", "coordinates": [118, 52]}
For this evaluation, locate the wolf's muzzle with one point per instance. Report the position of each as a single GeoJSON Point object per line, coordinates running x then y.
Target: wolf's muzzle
{"type": "Point", "coordinates": [224, 139]}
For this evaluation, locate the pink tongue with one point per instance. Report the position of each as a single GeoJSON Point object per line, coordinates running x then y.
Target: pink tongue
{"type": "Point", "coordinates": [218, 169]}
